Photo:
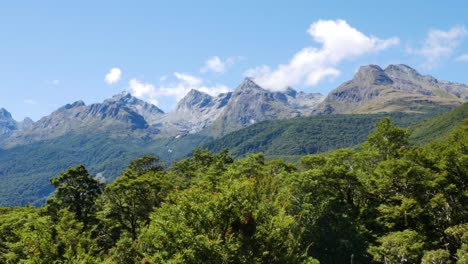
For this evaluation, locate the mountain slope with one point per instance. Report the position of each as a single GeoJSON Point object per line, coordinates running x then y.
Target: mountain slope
{"type": "Point", "coordinates": [25, 170]}
{"type": "Point", "coordinates": [439, 127]}
{"type": "Point", "coordinates": [307, 135]}
{"type": "Point", "coordinates": [398, 88]}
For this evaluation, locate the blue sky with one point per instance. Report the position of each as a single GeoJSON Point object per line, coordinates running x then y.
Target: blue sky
{"type": "Point", "coordinates": [57, 52]}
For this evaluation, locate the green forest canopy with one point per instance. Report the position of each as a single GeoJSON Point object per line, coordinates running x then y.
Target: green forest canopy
{"type": "Point", "coordinates": [391, 202]}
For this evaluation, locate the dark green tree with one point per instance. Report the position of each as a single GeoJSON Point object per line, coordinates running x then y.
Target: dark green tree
{"type": "Point", "coordinates": [129, 200]}
{"type": "Point", "coordinates": [387, 139]}
{"type": "Point", "coordinates": [77, 191]}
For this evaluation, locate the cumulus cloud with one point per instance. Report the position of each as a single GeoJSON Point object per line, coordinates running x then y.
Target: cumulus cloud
{"type": "Point", "coordinates": [215, 64]}
{"type": "Point", "coordinates": [439, 45]}
{"type": "Point", "coordinates": [113, 76]}
{"type": "Point", "coordinates": [338, 41]}
{"type": "Point", "coordinates": [463, 57]}
{"type": "Point", "coordinates": [175, 89]}
{"type": "Point", "coordinates": [143, 91]}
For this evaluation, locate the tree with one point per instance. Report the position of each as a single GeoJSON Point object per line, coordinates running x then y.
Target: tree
{"type": "Point", "coordinates": [74, 245]}
{"type": "Point", "coordinates": [130, 199]}
{"type": "Point", "coordinates": [387, 139]}
{"type": "Point", "coordinates": [398, 247]}
{"type": "Point", "coordinates": [439, 256]}
{"type": "Point", "coordinates": [76, 190]}
{"type": "Point", "coordinates": [458, 238]}
{"type": "Point", "coordinates": [34, 242]}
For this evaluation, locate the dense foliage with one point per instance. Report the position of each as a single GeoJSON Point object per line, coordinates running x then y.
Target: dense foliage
{"type": "Point", "coordinates": [388, 203]}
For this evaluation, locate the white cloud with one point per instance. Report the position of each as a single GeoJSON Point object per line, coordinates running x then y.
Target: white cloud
{"type": "Point", "coordinates": [185, 82]}
{"type": "Point", "coordinates": [113, 76]}
{"type": "Point", "coordinates": [56, 82]}
{"type": "Point", "coordinates": [439, 45]}
{"type": "Point", "coordinates": [176, 89]}
{"type": "Point", "coordinates": [187, 79]}
{"type": "Point", "coordinates": [214, 90]}
{"type": "Point", "coordinates": [339, 41]}
{"type": "Point", "coordinates": [215, 64]}
{"type": "Point", "coordinates": [143, 91]}
{"type": "Point", "coordinates": [463, 57]}
{"type": "Point", "coordinates": [30, 101]}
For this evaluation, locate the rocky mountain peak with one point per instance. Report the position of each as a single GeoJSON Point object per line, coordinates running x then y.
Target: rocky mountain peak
{"type": "Point", "coordinates": [398, 88]}
{"type": "Point", "coordinates": [124, 96]}
{"type": "Point", "coordinates": [4, 114]}
{"type": "Point", "coordinates": [25, 124]}
{"type": "Point", "coordinates": [7, 124]}
{"type": "Point", "coordinates": [145, 109]}
{"type": "Point", "coordinates": [248, 85]}
{"type": "Point", "coordinates": [194, 99]}
{"type": "Point", "coordinates": [290, 92]}
{"type": "Point", "coordinates": [372, 75]}
{"type": "Point", "coordinates": [401, 70]}
{"type": "Point", "coordinates": [70, 106]}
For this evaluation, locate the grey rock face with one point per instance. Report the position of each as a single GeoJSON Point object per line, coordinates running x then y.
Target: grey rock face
{"type": "Point", "coordinates": [250, 104]}
{"type": "Point", "coordinates": [116, 115]}
{"type": "Point", "coordinates": [25, 124]}
{"type": "Point", "coordinates": [149, 111]}
{"type": "Point", "coordinates": [7, 123]}
{"type": "Point", "coordinates": [372, 75]}
{"type": "Point", "coordinates": [194, 112]}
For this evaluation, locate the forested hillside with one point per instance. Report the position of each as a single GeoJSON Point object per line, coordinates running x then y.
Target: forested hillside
{"type": "Point", "coordinates": [438, 127]}
{"type": "Point", "coordinates": [25, 170]}
{"type": "Point", "coordinates": [391, 202]}
{"type": "Point", "coordinates": [309, 135]}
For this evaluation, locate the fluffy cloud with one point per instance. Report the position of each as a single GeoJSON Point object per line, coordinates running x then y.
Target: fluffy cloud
{"type": "Point", "coordinates": [439, 45]}
{"type": "Point", "coordinates": [113, 76]}
{"type": "Point", "coordinates": [143, 91]}
{"type": "Point", "coordinates": [338, 41]}
{"type": "Point", "coordinates": [215, 64]}
{"type": "Point", "coordinates": [463, 57]}
{"type": "Point", "coordinates": [176, 89]}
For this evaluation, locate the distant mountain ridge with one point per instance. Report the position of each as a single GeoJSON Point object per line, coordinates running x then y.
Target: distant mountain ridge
{"type": "Point", "coordinates": [397, 88]}
{"type": "Point", "coordinates": [116, 115]}
{"type": "Point", "coordinates": [125, 114]}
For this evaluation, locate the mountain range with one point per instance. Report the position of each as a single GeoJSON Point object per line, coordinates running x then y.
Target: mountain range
{"type": "Point", "coordinates": [124, 127]}
{"type": "Point", "coordinates": [397, 88]}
